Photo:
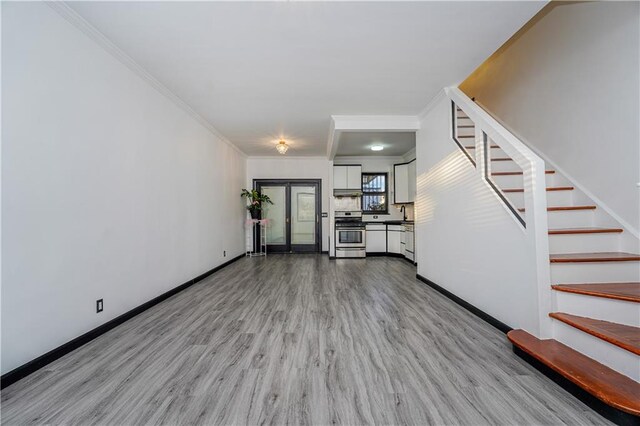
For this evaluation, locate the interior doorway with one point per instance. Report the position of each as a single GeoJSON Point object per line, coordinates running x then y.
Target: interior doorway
{"type": "Point", "coordinates": [294, 217]}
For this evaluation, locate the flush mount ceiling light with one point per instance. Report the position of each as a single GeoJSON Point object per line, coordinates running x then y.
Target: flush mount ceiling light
{"type": "Point", "coordinates": [282, 147]}
{"type": "Point", "coordinates": [377, 148]}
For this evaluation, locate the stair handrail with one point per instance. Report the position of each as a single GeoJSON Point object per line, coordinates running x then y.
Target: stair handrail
{"type": "Point", "coordinates": [535, 194]}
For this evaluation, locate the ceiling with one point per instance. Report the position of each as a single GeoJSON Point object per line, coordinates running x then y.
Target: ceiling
{"type": "Point", "coordinates": [359, 144]}
{"type": "Point", "coordinates": [259, 71]}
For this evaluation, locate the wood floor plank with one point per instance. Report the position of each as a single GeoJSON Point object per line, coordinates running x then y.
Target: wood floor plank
{"type": "Point", "coordinates": [297, 340]}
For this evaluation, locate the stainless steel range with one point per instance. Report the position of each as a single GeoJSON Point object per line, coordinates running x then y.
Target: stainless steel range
{"type": "Point", "coordinates": [350, 234]}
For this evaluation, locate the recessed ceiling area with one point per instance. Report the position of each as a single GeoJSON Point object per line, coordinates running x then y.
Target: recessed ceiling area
{"type": "Point", "coordinates": [262, 71]}
{"type": "Point", "coordinates": [358, 144]}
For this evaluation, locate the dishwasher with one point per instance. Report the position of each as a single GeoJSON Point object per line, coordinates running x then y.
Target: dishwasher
{"type": "Point", "coordinates": [409, 243]}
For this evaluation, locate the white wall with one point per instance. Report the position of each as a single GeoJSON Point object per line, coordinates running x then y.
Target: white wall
{"type": "Point", "coordinates": [295, 168]}
{"type": "Point", "coordinates": [466, 240]}
{"type": "Point", "coordinates": [109, 190]}
{"type": "Point", "coordinates": [568, 86]}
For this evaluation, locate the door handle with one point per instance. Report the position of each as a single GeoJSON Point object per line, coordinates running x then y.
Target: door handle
{"type": "Point", "coordinates": [287, 220]}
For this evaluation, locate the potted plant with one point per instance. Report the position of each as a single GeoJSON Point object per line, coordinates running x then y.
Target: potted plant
{"type": "Point", "coordinates": [255, 201]}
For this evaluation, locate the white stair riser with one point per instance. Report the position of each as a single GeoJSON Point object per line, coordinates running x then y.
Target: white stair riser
{"type": "Point", "coordinates": [570, 218]}
{"type": "Point", "coordinates": [554, 198]}
{"type": "Point", "coordinates": [517, 181]}
{"type": "Point", "coordinates": [498, 153]}
{"type": "Point", "coordinates": [466, 131]}
{"type": "Point", "coordinates": [495, 152]}
{"type": "Point", "coordinates": [601, 308]}
{"type": "Point", "coordinates": [610, 355]}
{"type": "Point", "coordinates": [594, 272]}
{"type": "Point", "coordinates": [584, 243]}
{"type": "Point", "coordinates": [505, 166]}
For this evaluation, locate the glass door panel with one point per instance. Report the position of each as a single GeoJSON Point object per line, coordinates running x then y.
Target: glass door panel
{"type": "Point", "coordinates": [293, 223]}
{"type": "Point", "coordinates": [303, 215]}
{"type": "Point", "coordinates": [276, 214]}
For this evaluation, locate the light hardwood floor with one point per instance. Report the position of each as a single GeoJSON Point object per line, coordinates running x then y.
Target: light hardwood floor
{"type": "Point", "coordinates": [297, 339]}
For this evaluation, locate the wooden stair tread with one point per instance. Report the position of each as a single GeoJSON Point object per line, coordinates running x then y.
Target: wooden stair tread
{"type": "Point", "coordinates": [466, 136]}
{"type": "Point", "coordinates": [465, 126]}
{"type": "Point", "coordinates": [502, 159]}
{"type": "Point", "coordinates": [565, 208]}
{"type": "Point", "coordinates": [551, 188]}
{"type": "Point", "coordinates": [609, 386]}
{"type": "Point", "coordinates": [573, 231]}
{"type": "Point", "coordinates": [474, 147]}
{"type": "Point", "coordinates": [612, 256]}
{"type": "Point", "coordinates": [548, 172]}
{"type": "Point", "coordinates": [624, 336]}
{"type": "Point", "coordinates": [620, 291]}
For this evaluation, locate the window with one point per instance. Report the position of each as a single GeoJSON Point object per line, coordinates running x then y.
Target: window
{"type": "Point", "coordinates": [374, 193]}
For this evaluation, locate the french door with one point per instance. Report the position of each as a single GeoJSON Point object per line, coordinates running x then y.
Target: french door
{"type": "Point", "coordinates": [293, 220]}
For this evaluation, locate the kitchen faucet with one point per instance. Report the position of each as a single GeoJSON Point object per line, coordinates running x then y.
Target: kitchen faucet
{"type": "Point", "coordinates": [404, 212]}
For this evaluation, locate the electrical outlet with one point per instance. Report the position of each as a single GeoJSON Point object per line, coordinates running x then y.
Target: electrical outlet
{"type": "Point", "coordinates": [224, 253]}
{"type": "Point", "coordinates": [99, 305]}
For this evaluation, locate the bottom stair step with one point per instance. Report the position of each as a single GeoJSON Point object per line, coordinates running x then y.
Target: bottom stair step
{"type": "Point", "coordinates": [609, 386]}
{"type": "Point", "coordinates": [624, 336]}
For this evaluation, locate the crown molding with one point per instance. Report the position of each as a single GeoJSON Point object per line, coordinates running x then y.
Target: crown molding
{"type": "Point", "coordinates": [409, 154]}
{"type": "Point", "coordinates": [287, 157]}
{"type": "Point", "coordinates": [432, 103]}
{"type": "Point", "coordinates": [94, 34]}
{"type": "Point", "coordinates": [332, 144]}
{"type": "Point", "coordinates": [376, 123]}
{"type": "Point", "coordinates": [352, 158]}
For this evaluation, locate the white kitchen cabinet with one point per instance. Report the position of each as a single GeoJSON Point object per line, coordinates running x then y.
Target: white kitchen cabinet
{"type": "Point", "coordinates": [412, 181]}
{"type": "Point", "coordinates": [400, 183]}
{"type": "Point", "coordinates": [347, 177]}
{"type": "Point", "coordinates": [404, 182]}
{"type": "Point", "coordinates": [354, 177]}
{"type": "Point", "coordinates": [376, 239]}
{"type": "Point", "coordinates": [395, 234]}
{"type": "Point", "coordinates": [339, 177]}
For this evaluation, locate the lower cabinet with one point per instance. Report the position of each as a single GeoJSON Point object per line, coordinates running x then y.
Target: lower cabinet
{"type": "Point", "coordinates": [390, 239]}
{"type": "Point", "coordinates": [376, 239]}
{"type": "Point", "coordinates": [395, 239]}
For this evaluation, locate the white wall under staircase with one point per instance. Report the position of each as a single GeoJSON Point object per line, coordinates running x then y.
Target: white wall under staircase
{"type": "Point", "coordinates": [467, 241]}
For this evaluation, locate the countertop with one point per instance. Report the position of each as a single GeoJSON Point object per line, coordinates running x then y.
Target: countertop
{"type": "Point", "coordinates": [388, 222]}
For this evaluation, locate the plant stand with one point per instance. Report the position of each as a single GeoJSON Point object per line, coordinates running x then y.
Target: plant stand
{"type": "Point", "coordinates": [259, 231]}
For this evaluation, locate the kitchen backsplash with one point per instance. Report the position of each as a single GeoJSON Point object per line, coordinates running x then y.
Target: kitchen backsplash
{"type": "Point", "coordinates": [394, 214]}
{"type": "Point", "coordinates": [345, 204]}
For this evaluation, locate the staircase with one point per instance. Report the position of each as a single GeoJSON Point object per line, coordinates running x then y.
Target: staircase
{"type": "Point", "coordinates": [595, 277]}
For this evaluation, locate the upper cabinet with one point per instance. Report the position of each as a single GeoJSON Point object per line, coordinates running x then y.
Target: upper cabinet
{"type": "Point", "coordinates": [404, 182]}
{"type": "Point", "coordinates": [412, 181]}
{"type": "Point", "coordinates": [400, 183]}
{"type": "Point", "coordinates": [347, 177]}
